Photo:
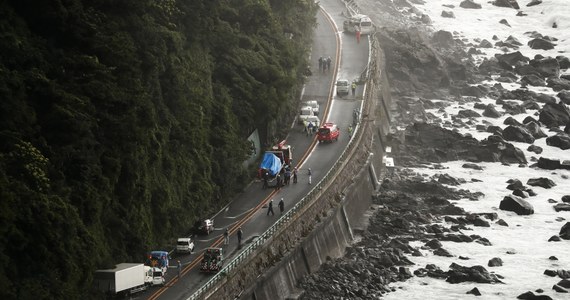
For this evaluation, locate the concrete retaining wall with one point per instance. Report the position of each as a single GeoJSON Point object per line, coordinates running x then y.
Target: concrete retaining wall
{"type": "Point", "coordinates": [325, 227]}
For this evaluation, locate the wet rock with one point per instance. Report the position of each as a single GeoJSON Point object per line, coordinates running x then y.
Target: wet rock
{"type": "Point", "coordinates": [469, 4]}
{"type": "Point", "coordinates": [558, 84]}
{"type": "Point", "coordinates": [517, 205]}
{"type": "Point", "coordinates": [533, 80]}
{"type": "Point", "coordinates": [547, 67]}
{"type": "Point", "coordinates": [472, 166]}
{"type": "Point", "coordinates": [553, 258]}
{"type": "Point", "coordinates": [565, 198]}
{"type": "Point", "coordinates": [542, 182]}
{"type": "Point", "coordinates": [559, 289]}
{"type": "Point", "coordinates": [551, 273]}
{"type": "Point", "coordinates": [520, 193]}
{"type": "Point", "coordinates": [447, 14]}
{"type": "Point", "coordinates": [554, 115]}
{"type": "Point", "coordinates": [479, 274]}
{"type": "Point", "coordinates": [564, 97]}
{"type": "Point", "coordinates": [517, 134]}
{"type": "Point", "coordinates": [535, 149]}
{"type": "Point", "coordinates": [531, 296]}
{"type": "Point", "coordinates": [491, 112]}
{"type": "Point", "coordinates": [540, 44]}
{"type": "Point", "coordinates": [504, 22]}
{"type": "Point", "coordinates": [535, 130]}
{"type": "Point", "coordinates": [495, 262]}
{"type": "Point", "coordinates": [502, 223]}
{"type": "Point", "coordinates": [515, 184]}
{"type": "Point", "coordinates": [548, 164]}
{"type": "Point", "coordinates": [442, 252]}
{"type": "Point", "coordinates": [509, 60]}
{"type": "Point", "coordinates": [565, 231]}
{"type": "Point", "coordinates": [434, 244]}
{"type": "Point", "coordinates": [534, 2]}
{"type": "Point", "coordinates": [565, 283]}
{"type": "Point", "coordinates": [474, 291]}
{"type": "Point", "coordinates": [560, 140]}
{"type": "Point", "coordinates": [562, 207]}
{"type": "Point", "coordinates": [447, 179]}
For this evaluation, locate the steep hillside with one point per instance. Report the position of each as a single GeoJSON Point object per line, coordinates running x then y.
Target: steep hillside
{"type": "Point", "coordinates": [122, 122]}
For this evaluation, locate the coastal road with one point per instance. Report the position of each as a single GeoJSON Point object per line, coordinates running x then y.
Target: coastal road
{"type": "Point", "coordinates": [248, 209]}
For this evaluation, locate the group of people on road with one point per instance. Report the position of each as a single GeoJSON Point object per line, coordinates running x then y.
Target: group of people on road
{"type": "Point", "coordinates": [239, 234]}
{"type": "Point", "coordinates": [324, 64]}
{"type": "Point", "coordinates": [309, 127]}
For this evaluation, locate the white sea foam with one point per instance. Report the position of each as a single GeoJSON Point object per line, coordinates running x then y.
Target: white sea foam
{"type": "Point", "coordinates": [527, 236]}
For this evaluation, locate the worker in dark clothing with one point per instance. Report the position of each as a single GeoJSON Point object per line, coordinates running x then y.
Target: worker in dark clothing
{"type": "Point", "coordinates": [278, 181]}
{"type": "Point", "coordinates": [353, 88]}
{"type": "Point", "coordinates": [265, 180]}
{"type": "Point", "coordinates": [295, 175]}
{"type": "Point", "coordinates": [281, 205]}
{"type": "Point", "coordinates": [239, 235]}
{"type": "Point", "coordinates": [227, 236]}
{"type": "Point", "coordinates": [270, 208]}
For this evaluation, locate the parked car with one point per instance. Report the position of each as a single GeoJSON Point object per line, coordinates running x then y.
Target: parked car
{"type": "Point", "coordinates": [328, 132]}
{"type": "Point", "coordinates": [314, 106]}
{"type": "Point", "coordinates": [184, 245]}
{"type": "Point", "coordinates": [306, 112]}
{"type": "Point", "coordinates": [342, 87]}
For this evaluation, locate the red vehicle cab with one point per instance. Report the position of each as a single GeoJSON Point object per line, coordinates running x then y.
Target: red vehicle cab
{"type": "Point", "coordinates": [328, 132]}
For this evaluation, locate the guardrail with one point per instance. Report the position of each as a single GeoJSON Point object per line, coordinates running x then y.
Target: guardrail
{"type": "Point", "coordinates": [279, 224]}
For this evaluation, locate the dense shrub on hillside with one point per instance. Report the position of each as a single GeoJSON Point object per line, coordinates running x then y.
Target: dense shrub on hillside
{"type": "Point", "coordinates": [121, 122]}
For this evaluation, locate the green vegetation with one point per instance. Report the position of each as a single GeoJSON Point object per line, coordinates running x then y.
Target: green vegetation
{"type": "Point", "coordinates": [123, 122]}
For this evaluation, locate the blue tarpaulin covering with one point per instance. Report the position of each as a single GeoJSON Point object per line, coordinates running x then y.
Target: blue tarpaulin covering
{"type": "Point", "coordinates": [272, 163]}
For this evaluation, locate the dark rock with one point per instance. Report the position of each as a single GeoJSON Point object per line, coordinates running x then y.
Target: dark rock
{"type": "Point", "coordinates": [468, 113]}
{"type": "Point", "coordinates": [562, 207]}
{"type": "Point", "coordinates": [547, 67]}
{"type": "Point", "coordinates": [517, 205]}
{"type": "Point", "coordinates": [511, 59]}
{"type": "Point", "coordinates": [526, 69]}
{"type": "Point", "coordinates": [533, 80]}
{"type": "Point", "coordinates": [565, 283]}
{"type": "Point", "coordinates": [553, 257]}
{"type": "Point", "coordinates": [531, 296]}
{"type": "Point", "coordinates": [554, 238]}
{"type": "Point", "coordinates": [548, 164]}
{"type": "Point", "coordinates": [540, 44]}
{"type": "Point", "coordinates": [495, 262]}
{"type": "Point", "coordinates": [458, 238]}
{"type": "Point", "coordinates": [559, 289]}
{"type": "Point", "coordinates": [443, 38]}
{"type": "Point", "coordinates": [472, 166]}
{"type": "Point", "coordinates": [491, 112]}
{"type": "Point", "coordinates": [504, 22]}
{"type": "Point", "coordinates": [542, 182]}
{"type": "Point", "coordinates": [554, 115]}
{"type": "Point", "coordinates": [447, 14]}
{"type": "Point", "coordinates": [502, 223]}
{"type": "Point", "coordinates": [434, 244]}
{"type": "Point", "coordinates": [479, 274]}
{"type": "Point", "coordinates": [470, 4]}
{"type": "Point", "coordinates": [511, 121]}
{"type": "Point", "coordinates": [544, 98]}
{"type": "Point", "coordinates": [550, 273]}
{"type": "Point", "coordinates": [506, 3]}
{"type": "Point", "coordinates": [565, 231]}
{"type": "Point", "coordinates": [558, 84]}
{"type": "Point", "coordinates": [517, 134]}
{"type": "Point", "coordinates": [447, 179]}
{"type": "Point", "coordinates": [520, 193]}
{"type": "Point", "coordinates": [564, 97]}
{"type": "Point", "coordinates": [563, 61]}
{"type": "Point", "coordinates": [560, 140]}
{"type": "Point", "coordinates": [535, 149]}
{"type": "Point", "coordinates": [474, 291]}
{"type": "Point", "coordinates": [484, 43]}
{"type": "Point", "coordinates": [566, 198]}
{"type": "Point", "coordinates": [515, 184]}
{"type": "Point", "coordinates": [535, 130]}
{"type": "Point", "coordinates": [534, 2]}
{"type": "Point", "coordinates": [442, 252]}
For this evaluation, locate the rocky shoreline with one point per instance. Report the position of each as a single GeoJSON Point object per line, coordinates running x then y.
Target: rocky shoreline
{"type": "Point", "coordinates": [409, 207]}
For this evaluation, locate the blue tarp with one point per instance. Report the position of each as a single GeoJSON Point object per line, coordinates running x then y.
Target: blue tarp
{"type": "Point", "coordinates": [272, 163]}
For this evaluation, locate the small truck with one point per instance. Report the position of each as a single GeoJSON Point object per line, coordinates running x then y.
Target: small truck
{"type": "Point", "coordinates": [127, 278]}
{"type": "Point", "coordinates": [212, 261]}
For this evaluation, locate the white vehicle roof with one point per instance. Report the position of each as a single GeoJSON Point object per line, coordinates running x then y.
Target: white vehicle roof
{"type": "Point", "coordinates": [184, 239]}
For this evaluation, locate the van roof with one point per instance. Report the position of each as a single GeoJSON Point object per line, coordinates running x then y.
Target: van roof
{"type": "Point", "coordinates": [185, 239]}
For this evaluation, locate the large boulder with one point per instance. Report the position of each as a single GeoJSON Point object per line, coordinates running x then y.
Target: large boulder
{"type": "Point", "coordinates": [547, 67]}
{"type": "Point", "coordinates": [458, 274]}
{"type": "Point", "coordinates": [470, 4]}
{"type": "Point", "coordinates": [447, 14]}
{"type": "Point", "coordinates": [563, 61]}
{"type": "Point", "coordinates": [542, 44]}
{"type": "Point", "coordinates": [554, 115]}
{"type": "Point", "coordinates": [564, 97]}
{"type": "Point", "coordinates": [533, 80]}
{"type": "Point", "coordinates": [517, 205]}
{"type": "Point", "coordinates": [491, 112]}
{"type": "Point", "coordinates": [542, 182]}
{"type": "Point", "coordinates": [518, 134]}
{"type": "Point", "coordinates": [548, 164]}
{"type": "Point", "coordinates": [509, 60]}
{"type": "Point", "coordinates": [565, 231]}
{"type": "Point", "coordinates": [558, 84]}
{"type": "Point", "coordinates": [560, 140]}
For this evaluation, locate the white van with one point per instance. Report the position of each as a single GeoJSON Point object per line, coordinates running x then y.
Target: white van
{"type": "Point", "coordinates": [306, 112]}
{"type": "Point", "coordinates": [314, 105]}
{"type": "Point", "coordinates": [342, 87]}
{"type": "Point", "coordinates": [184, 245]}
{"type": "Point", "coordinates": [362, 22]}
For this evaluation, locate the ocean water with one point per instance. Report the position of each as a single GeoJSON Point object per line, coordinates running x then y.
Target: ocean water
{"type": "Point", "coordinates": [526, 236]}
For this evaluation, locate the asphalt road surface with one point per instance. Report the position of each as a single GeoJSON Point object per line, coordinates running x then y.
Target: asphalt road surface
{"type": "Point", "coordinates": [248, 209]}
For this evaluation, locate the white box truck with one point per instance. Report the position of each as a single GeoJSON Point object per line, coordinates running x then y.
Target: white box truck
{"type": "Point", "coordinates": [125, 278]}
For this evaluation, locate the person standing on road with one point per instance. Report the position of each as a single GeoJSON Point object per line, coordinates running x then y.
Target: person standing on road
{"type": "Point", "coordinates": [329, 63]}
{"type": "Point", "coordinates": [226, 236]}
{"type": "Point", "coordinates": [270, 208]}
{"type": "Point", "coordinates": [179, 268]}
{"type": "Point", "coordinates": [349, 130]}
{"type": "Point", "coordinates": [310, 175]}
{"type": "Point", "coordinates": [295, 175]}
{"type": "Point", "coordinates": [281, 205]}
{"type": "Point", "coordinates": [357, 29]}
{"type": "Point", "coordinates": [239, 235]}
{"type": "Point", "coordinates": [353, 88]}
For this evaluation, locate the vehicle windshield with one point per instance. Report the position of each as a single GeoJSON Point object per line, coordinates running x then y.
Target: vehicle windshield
{"type": "Point", "coordinates": [324, 131]}
{"type": "Point", "coordinates": [342, 83]}
{"type": "Point", "coordinates": [366, 24]}
{"type": "Point", "coordinates": [156, 274]}
{"type": "Point", "coordinates": [182, 243]}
